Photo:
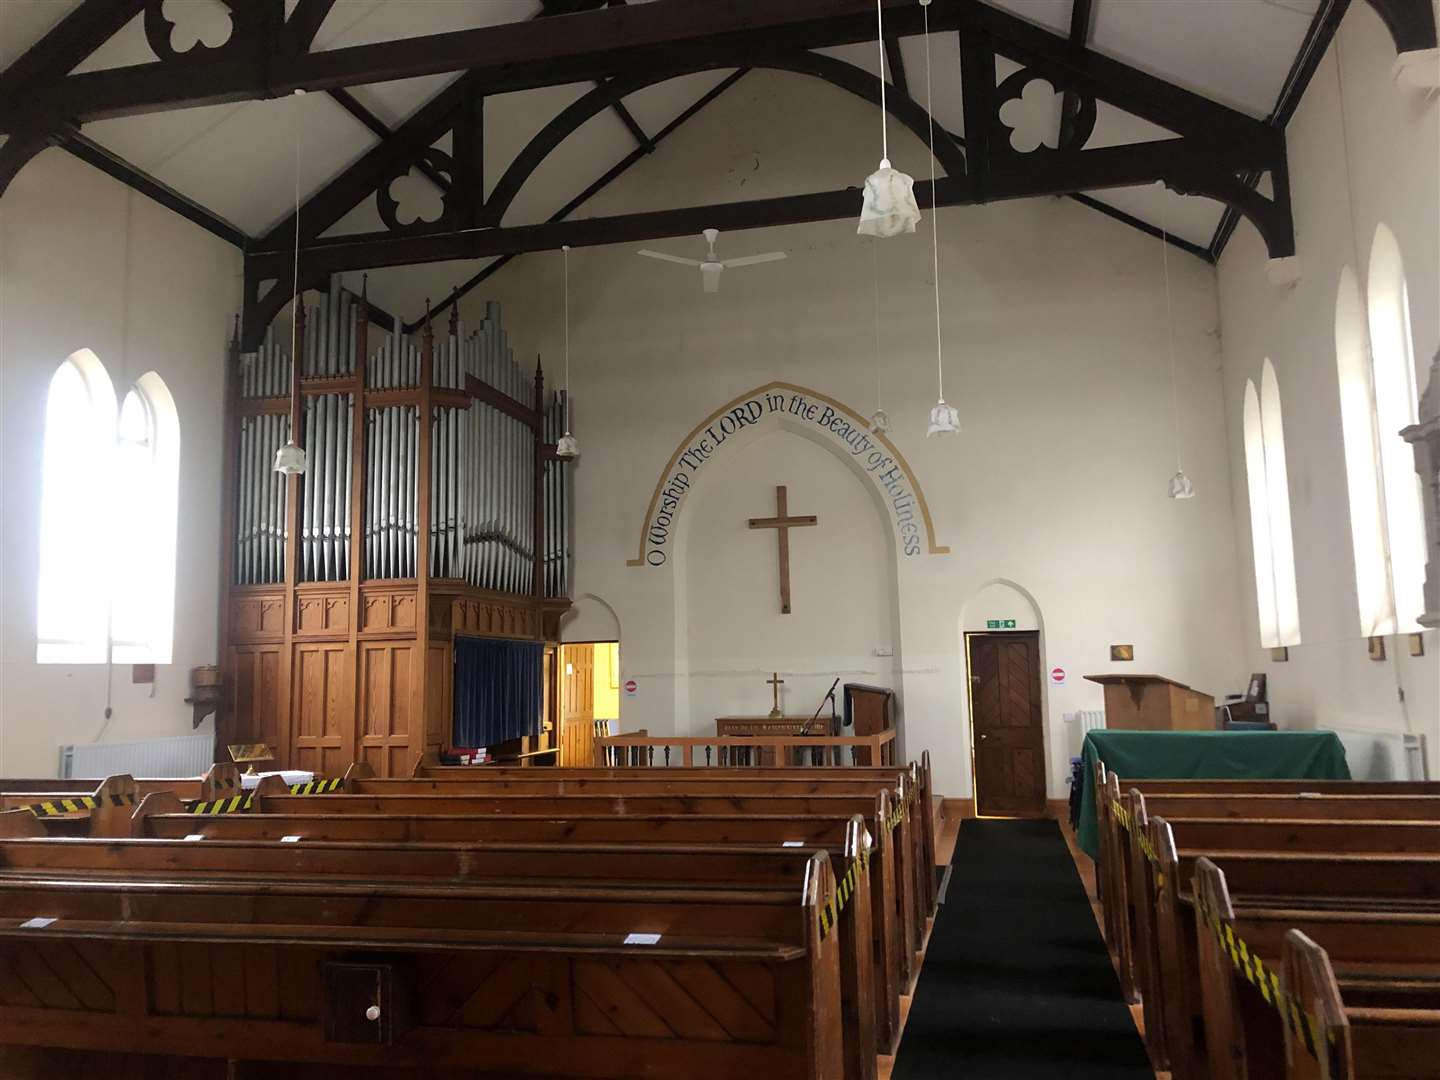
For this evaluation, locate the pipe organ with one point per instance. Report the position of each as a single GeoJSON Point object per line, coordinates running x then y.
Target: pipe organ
{"type": "Point", "coordinates": [432, 504]}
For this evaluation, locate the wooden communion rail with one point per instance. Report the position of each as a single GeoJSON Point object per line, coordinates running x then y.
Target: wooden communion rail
{"type": "Point", "coordinates": [641, 750]}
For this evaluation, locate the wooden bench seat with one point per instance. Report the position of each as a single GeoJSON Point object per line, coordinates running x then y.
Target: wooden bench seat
{"type": "Point", "coordinates": [1244, 1034]}
{"type": "Point", "coordinates": [1388, 1032]}
{"type": "Point", "coordinates": [894, 966]}
{"type": "Point", "coordinates": [1321, 884]}
{"type": "Point", "coordinates": [533, 980]}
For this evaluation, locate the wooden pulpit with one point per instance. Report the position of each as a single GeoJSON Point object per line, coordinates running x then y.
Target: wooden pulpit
{"type": "Point", "coordinates": [1154, 703]}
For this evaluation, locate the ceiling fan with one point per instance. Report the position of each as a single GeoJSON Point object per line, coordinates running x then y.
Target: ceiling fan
{"type": "Point", "coordinates": [712, 266]}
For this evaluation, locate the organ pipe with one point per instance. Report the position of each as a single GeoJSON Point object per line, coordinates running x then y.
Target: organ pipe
{"type": "Point", "coordinates": [483, 529]}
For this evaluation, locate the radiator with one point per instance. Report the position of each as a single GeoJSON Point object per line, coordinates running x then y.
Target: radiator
{"type": "Point", "coordinates": [184, 755]}
{"type": "Point", "coordinates": [1090, 720]}
{"type": "Point", "coordinates": [1384, 755]}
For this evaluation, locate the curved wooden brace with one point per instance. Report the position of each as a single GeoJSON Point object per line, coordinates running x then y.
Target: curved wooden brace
{"type": "Point", "coordinates": [1411, 23]}
{"type": "Point", "coordinates": [1272, 218]}
{"type": "Point", "coordinates": [260, 313]}
{"type": "Point", "coordinates": [16, 154]}
{"type": "Point", "coordinates": [948, 152]}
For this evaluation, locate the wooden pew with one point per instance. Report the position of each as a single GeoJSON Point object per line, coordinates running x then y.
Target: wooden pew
{"type": "Point", "coordinates": [907, 849]}
{"type": "Point", "coordinates": [642, 867]}
{"type": "Point", "coordinates": [219, 781]}
{"type": "Point", "coordinates": [916, 773]}
{"type": "Point", "coordinates": [429, 980]}
{"type": "Point", "coordinates": [1371, 1032]}
{"type": "Point", "coordinates": [894, 968]}
{"type": "Point", "coordinates": [104, 811]}
{"type": "Point", "coordinates": [1191, 837]}
{"type": "Point", "coordinates": [1313, 881]}
{"type": "Point", "coordinates": [1379, 943]}
{"type": "Point", "coordinates": [902, 783]}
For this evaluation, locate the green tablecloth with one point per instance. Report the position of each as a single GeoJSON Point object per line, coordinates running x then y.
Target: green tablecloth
{"type": "Point", "coordinates": [1205, 755]}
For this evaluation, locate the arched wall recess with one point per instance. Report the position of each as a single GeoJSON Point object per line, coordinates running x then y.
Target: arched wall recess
{"type": "Point", "coordinates": [817, 414]}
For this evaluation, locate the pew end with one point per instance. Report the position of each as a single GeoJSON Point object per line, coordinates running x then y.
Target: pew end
{"type": "Point", "coordinates": [20, 823]}
{"type": "Point", "coordinates": [157, 802]}
{"type": "Point", "coordinates": [115, 801]}
{"type": "Point", "coordinates": [362, 770]}
{"type": "Point", "coordinates": [1309, 983]}
{"type": "Point", "coordinates": [220, 781]}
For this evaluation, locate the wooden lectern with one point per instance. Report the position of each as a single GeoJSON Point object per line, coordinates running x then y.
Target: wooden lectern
{"type": "Point", "coordinates": [1154, 703]}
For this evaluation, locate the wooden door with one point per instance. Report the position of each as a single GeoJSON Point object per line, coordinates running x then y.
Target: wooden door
{"type": "Point", "coordinates": [577, 705]}
{"type": "Point", "coordinates": [1005, 724]}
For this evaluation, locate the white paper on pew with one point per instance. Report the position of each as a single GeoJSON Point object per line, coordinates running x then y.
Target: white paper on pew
{"type": "Point", "coordinates": [195, 836]}
{"type": "Point", "coordinates": [642, 939]}
{"type": "Point", "coordinates": [40, 922]}
{"type": "Point", "coordinates": [793, 843]}
{"type": "Point", "coordinates": [250, 781]}
{"type": "Point", "coordinates": [289, 839]}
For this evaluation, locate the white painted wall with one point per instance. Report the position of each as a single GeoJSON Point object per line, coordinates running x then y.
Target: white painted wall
{"type": "Point", "coordinates": [1394, 160]}
{"type": "Point", "coordinates": [1055, 338]}
{"type": "Point", "coordinates": [86, 263]}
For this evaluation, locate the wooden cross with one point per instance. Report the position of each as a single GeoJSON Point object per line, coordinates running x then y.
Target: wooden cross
{"type": "Point", "coordinates": [775, 682]}
{"type": "Point", "coordinates": [782, 522]}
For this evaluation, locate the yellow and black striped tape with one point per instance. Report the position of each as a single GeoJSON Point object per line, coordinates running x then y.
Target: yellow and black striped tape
{"type": "Point", "coordinates": [898, 814]}
{"type": "Point", "coordinates": [318, 787]}
{"type": "Point", "coordinates": [232, 804]}
{"type": "Point", "coordinates": [78, 804]}
{"type": "Point", "coordinates": [1127, 822]}
{"type": "Point", "coordinates": [1263, 978]}
{"type": "Point", "coordinates": [844, 889]}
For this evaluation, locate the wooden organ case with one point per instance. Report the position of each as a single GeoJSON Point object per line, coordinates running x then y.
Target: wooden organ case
{"type": "Point", "coordinates": [345, 586]}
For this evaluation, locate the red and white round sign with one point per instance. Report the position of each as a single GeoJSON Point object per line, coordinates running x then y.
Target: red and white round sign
{"type": "Point", "coordinates": [630, 687]}
{"type": "Point", "coordinates": [1057, 676]}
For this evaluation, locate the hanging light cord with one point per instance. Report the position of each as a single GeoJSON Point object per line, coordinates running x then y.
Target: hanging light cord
{"type": "Point", "coordinates": [566, 249]}
{"type": "Point", "coordinates": [880, 41]}
{"type": "Point", "coordinates": [875, 252]}
{"type": "Point", "coordinates": [934, 218]}
{"type": "Point", "coordinates": [1170, 319]}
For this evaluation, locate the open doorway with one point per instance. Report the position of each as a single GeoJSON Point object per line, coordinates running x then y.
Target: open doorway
{"type": "Point", "coordinates": [589, 698]}
{"type": "Point", "coordinates": [1007, 727]}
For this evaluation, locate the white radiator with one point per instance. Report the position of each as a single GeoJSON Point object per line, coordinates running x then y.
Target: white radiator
{"type": "Point", "coordinates": [1090, 720]}
{"type": "Point", "coordinates": [184, 755]}
{"type": "Point", "coordinates": [1384, 755]}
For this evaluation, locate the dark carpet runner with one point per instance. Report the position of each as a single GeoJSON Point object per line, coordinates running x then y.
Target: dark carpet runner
{"type": "Point", "coordinates": [1017, 982]}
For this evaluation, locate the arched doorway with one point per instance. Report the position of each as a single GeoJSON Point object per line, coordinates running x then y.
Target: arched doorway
{"type": "Point", "coordinates": [586, 680]}
{"type": "Point", "coordinates": [1005, 668]}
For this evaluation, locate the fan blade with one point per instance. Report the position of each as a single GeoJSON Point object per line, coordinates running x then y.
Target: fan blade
{"type": "Point", "coordinates": [710, 274]}
{"type": "Point", "coordinates": [751, 260]}
{"type": "Point", "coordinates": [669, 258]}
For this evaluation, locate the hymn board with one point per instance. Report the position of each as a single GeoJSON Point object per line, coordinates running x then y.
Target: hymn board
{"type": "Point", "coordinates": [432, 505]}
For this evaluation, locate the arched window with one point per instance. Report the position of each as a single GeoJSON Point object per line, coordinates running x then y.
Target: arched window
{"type": "Point", "coordinates": [1375, 362]}
{"type": "Point", "coordinates": [73, 609]}
{"type": "Point", "coordinates": [1269, 487]}
{"type": "Point", "coordinates": [148, 473]}
{"type": "Point", "coordinates": [108, 509]}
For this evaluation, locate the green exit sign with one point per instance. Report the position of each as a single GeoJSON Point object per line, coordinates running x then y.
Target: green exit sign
{"type": "Point", "coordinates": [999, 624]}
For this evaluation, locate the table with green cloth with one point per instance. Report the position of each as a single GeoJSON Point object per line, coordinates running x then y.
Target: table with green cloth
{"type": "Point", "coordinates": [1204, 755]}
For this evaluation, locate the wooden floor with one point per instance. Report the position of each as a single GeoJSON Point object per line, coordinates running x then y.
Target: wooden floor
{"type": "Point", "coordinates": [944, 849]}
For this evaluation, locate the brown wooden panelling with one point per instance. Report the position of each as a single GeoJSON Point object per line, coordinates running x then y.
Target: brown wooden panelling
{"type": "Point", "coordinates": [440, 705]}
{"type": "Point", "coordinates": [324, 708]}
{"type": "Point", "coordinates": [387, 611]}
{"type": "Point", "coordinates": [387, 673]}
{"type": "Point", "coordinates": [496, 618]}
{"type": "Point", "coordinates": [322, 613]}
{"type": "Point", "coordinates": [256, 616]}
{"type": "Point", "coordinates": [254, 689]}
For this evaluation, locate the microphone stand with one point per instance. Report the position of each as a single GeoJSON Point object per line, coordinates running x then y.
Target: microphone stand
{"type": "Point", "coordinates": [834, 715]}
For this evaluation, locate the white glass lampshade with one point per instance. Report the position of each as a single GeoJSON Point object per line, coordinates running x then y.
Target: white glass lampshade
{"type": "Point", "coordinates": [879, 422]}
{"type": "Point", "coordinates": [568, 447]}
{"type": "Point", "coordinates": [944, 420]}
{"type": "Point", "coordinates": [290, 459]}
{"type": "Point", "coordinates": [1181, 486]}
{"type": "Point", "coordinates": [889, 208]}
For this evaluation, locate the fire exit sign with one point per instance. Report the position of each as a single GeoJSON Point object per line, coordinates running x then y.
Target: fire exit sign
{"type": "Point", "coordinates": [999, 624]}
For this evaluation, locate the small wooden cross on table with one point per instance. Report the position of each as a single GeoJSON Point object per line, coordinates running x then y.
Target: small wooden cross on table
{"type": "Point", "coordinates": [775, 683]}
{"type": "Point", "coordinates": [782, 523]}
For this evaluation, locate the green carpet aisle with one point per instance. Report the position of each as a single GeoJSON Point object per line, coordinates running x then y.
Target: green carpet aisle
{"type": "Point", "coordinates": [1017, 983]}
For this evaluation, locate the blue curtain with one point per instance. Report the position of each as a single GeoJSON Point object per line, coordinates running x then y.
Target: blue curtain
{"type": "Point", "coordinates": [498, 690]}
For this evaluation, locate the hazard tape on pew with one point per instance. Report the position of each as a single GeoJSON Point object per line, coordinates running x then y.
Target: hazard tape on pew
{"type": "Point", "coordinates": [79, 804]}
{"type": "Point", "coordinates": [1127, 822]}
{"type": "Point", "coordinates": [235, 804]}
{"type": "Point", "coordinates": [844, 889]}
{"type": "Point", "coordinates": [898, 814]}
{"type": "Point", "coordinates": [1265, 979]}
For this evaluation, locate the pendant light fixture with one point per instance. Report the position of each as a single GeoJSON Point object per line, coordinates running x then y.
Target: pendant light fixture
{"type": "Point", "coordinates": [290, 458]}
{"type": "Point", "coordinates": [1181, 486]}
{"type": "Point", "coordinates": [879, 421]}
{"type": "Point", "coordinates": [568, 446]}
{"type": "Point", "coordinates": [889, 207]}
{"type": "Point", "coordinates": [944, 420]}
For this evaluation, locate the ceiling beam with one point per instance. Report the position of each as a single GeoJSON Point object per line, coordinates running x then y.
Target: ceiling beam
{"type": "Point", "coordinates": [1081, 18]}
{"type": "Point", "coordinates": [69, 42]}
{"type": "Point", "coordinates": [304, 22]}
{"type": "Point", "coordinates": [351, 104]}
{"type": "Point", "coordinates": [511, 56]}
{"type": "Point", "coordinates": [897, 65]}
